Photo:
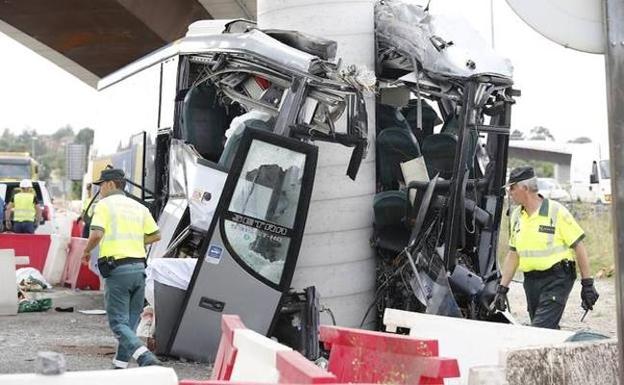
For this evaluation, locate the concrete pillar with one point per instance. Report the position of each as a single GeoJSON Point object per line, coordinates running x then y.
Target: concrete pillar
{"type": "Point", "coordinates": [335, 255]}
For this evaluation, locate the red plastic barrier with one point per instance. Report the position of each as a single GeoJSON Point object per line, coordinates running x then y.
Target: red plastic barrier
{"type": "Point", "coordinates": [358, 356]}
{"type": "Point", "coordinates": [35, 246]}
{"type": "Point", "coordinates": [296, 369]}
{"type": "Point", "coordinates": [226, 355]}
{"type": "Point", "coordinates": [77, 227]}
{"type": "Point", "coordinates": [77, 275]}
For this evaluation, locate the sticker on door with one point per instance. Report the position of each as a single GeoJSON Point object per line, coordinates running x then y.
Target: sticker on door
{"type": "Point", "coordinates": [213, 254]}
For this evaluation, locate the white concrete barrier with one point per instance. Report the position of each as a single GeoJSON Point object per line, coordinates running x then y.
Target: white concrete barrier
{"type": "Point", "coordinates": [572, 363]}
{"type": "Point", "coordinates": [256, 360]}
{"type": "Point", "coordinates": [487, 375]}
{"type": "Point", "coordinates": [8, 288]}
{"type": "Point", "coordinates": [153, 375]}
{"type": "Point", "coordinates": [472, 343]}
{"type": "Point", "coordinates": [55, 261]}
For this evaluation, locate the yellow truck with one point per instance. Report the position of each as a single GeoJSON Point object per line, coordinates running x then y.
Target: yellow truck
{"type": "Point", "coordinates": [15, 166]}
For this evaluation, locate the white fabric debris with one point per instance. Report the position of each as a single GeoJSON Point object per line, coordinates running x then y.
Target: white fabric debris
{"type": "Point", "coordinates": [176, 272]}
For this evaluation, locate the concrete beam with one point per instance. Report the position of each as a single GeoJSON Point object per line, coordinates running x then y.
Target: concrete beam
{"type": "Point", "coordinates": [578, 363]}
{"type": "Point", "coordinates": [92, 39]}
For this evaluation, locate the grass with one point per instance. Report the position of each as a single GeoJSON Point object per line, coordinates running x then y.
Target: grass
{"type": "Point", "coordinates": [595, 221]}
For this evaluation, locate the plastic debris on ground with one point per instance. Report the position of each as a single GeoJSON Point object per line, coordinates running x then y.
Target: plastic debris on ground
{"type": "Point", "coordinates": [146, 326]}
{"type": "Point", "coordinates": [34, 305]}
{"type": "Point", "coordinates": [30, 279]}
{"type": "Point", "coordinates": [93, 312]}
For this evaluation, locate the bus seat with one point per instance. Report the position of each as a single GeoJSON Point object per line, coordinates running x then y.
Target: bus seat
{"type": "Point", "coordinates": [430, 118]}
{"type": "Point", "coordinates": [395, 145]}
{"type": "Point", "coordinates": [389, 116]}
{"type": "Point", "coordinates": [439, 153]}
{"type": "Point", "coordinates": [439, 149]}
{"type": "Point", "coordinates": [390, 228]}
{"type": "Point", "coordinates": [204, 121]}
{"type": "Point", "coordinates": [227, 157]}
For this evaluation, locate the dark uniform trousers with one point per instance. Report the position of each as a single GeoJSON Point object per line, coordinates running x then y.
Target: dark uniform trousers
{"type": "Point", "coordinates": [547, 293]}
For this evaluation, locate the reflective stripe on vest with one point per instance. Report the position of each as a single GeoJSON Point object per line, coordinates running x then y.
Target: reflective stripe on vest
{"type": "Point", "coordinates": [24, 207]}
{"type": "Point", "coordinates": [124, 233]}
{"type": "Point", "coordinates": [544, 258]}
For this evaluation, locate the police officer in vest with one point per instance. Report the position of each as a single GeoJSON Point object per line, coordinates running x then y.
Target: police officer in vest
{"type": "Point", "coordinates": [24, 208]}
{"type": "Point", "coordinates": [544, 241]}
{"type": "Point", "coordinates": [122, 227]}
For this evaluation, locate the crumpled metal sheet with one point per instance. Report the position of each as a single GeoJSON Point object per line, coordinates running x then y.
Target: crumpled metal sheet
{"type": "Point", "coordinates": [411, 30]}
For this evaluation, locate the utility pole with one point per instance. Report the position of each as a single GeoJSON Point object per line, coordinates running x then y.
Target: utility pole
{"type": "Point", "coordinates": [492, 23]}
{"type": "Point", "coordinates": [614, 62]}
{"type": "Point", "coordinates": [33, 142]}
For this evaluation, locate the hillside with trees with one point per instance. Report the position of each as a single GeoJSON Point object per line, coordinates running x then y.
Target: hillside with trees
{"type": "Point", "coordinates": [48, 150]}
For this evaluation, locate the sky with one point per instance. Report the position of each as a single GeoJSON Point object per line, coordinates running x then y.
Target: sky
{"type": "Point", "coordinates": [562, 89]}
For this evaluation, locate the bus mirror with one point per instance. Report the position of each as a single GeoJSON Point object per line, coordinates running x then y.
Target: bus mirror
{"type": "Point", "coordinates": [593, 178]}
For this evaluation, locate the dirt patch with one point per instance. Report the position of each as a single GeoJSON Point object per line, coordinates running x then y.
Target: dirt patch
{"type": "Point", "coordinates": [603, 319]}
{"type": "Point", "coordinates": [75, 350]}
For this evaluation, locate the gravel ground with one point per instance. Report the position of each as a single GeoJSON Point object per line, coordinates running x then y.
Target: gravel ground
{"type": "Point", "coordinates": [85, 340]}
{"type": "Point", "coordinates": [602, 319]}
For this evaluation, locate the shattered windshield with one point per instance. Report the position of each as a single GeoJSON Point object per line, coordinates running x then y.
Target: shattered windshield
{"type": "Point", "coordinates": [263, 208]}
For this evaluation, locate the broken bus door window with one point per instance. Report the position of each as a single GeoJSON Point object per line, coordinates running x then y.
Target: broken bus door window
{"type": "Point", "coordinates": [250, 252]}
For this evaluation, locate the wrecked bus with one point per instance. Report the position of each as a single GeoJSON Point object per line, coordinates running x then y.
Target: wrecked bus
{"type": "Point", "coordinates": [229, 164]}
{"type": "Point", "coordinates": [440, 200]}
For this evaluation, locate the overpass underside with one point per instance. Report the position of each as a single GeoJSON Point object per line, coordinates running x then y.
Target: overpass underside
{"type": "Point", "coordinates": [561, 161]}
{"type": "Point", "coordinates": [93, 38]}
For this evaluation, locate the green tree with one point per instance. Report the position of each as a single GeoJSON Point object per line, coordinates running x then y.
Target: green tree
{"type": "Point", "coordinates": [85, 136]}
{"type": "Point", "coordinates": [540, 133]}
{"type": "Point", "coordinates": [516, 135]}
{"type": "Point", "coordinates": [580, 139]}
{"type": "Point", "coordinates": [542, 169]}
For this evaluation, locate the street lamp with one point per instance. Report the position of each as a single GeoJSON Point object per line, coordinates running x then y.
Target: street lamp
{"type": "Point", "coordinates": [32, 145]}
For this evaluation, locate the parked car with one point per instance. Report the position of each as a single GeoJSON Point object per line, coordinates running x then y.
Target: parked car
{"type": "Point", "coordinates": [550, 188]}
{"type": "Point", "coordinates": [48, 223]}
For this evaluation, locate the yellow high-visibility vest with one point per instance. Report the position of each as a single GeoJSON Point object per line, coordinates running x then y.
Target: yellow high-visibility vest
{"type": "Point", "coordinates": [544, 238]}
{"type": "Point", "coordinates": [24, 207]}
{"type": "Point", "coordinates": [125, 223]}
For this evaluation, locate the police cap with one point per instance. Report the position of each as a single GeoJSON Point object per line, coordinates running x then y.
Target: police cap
{"type": "Point", "coordinates": [110, 174]}
{"type": "Point", "coordinates": [519, 174]}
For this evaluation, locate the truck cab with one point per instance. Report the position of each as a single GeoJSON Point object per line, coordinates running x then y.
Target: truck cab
{"type": "Point", "coordinates": [15, 166]}
{"type": "Point", "coordinates": [595, 186]}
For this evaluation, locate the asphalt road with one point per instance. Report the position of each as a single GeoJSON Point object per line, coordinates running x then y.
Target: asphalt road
{"type": "Point", "coordinates": [85, 340]}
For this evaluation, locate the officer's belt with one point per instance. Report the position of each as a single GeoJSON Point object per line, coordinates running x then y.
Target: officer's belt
{"type": "Point", "coordinates": [125, 261]}
{"type": "Point", "coordinates": [565, 265]}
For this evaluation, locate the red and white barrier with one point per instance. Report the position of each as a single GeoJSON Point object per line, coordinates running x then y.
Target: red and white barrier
{"type": "Point", "coordinates": [8, 288]}
{"type": "Point", "coordinates": [56, 259]}
{"type": "Point", "coordinates": [226, 355]}
{"type": "Point", "coordinates": [34, 246]}
{"type": "Point", "coordinates": [358, 356]}
{"type": "Point", "coordinates": [256, 359]}
{"type": "Point", "coordinates": [76, 275]}
{"type": "Point", "coordinates": [296, 369]}
{"type": "Point", "coordinates": [458, 337]}
{"type": "Point", "coordinates": [244, 355]}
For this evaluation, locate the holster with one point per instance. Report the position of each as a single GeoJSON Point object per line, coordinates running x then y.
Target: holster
{"type": "Point", "coordinates": [106, 265]}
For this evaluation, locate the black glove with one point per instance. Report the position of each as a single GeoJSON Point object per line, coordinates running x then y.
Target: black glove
{"type": "Point", "coordinates": [500, 299]}
{"type": "Point", "coordinates": [589, 295]}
